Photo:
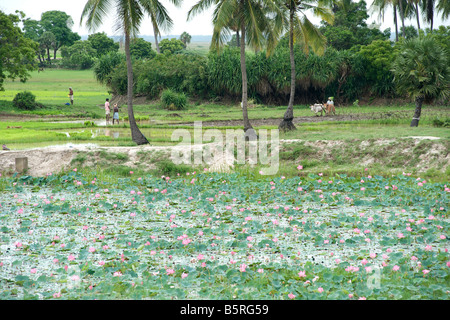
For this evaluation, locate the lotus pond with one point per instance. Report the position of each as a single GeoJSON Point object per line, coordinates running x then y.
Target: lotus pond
{"type": "Point", "coordinates": [223, 236]}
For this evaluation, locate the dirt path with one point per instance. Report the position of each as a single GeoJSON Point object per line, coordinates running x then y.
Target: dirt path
{"type": "Point", "coordinates": [297, 120]}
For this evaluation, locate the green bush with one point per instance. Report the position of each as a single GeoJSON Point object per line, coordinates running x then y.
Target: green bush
{"type": "Point", "coordinates": [172, 100]}
{"type": "Point", "coordinates": [439, 123]}
{"type": "Point", "coordinates": [181, 72]}
{"type": "Point", "coordinates": [25, 100]}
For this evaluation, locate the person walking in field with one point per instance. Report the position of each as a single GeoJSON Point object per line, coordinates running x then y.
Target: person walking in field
{"type": "Point", "coordinates": [330, 106]}
{"type": "Point", "coordinates": [71, 95]}
{"type": "Point", "coordinates": [116, 114]}
{"type": "Point", "coordinates": [107, 110]}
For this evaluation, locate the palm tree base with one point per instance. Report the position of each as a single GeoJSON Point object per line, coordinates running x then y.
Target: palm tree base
{"type": "Point", "coordinates": [286, 125]}
{"type": "Point", "coordinates": [140, 141]}
{"type": "Point", "coordinates": [414, 123]}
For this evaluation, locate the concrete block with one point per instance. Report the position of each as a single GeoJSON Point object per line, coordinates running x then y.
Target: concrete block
{"type": "Point", "coordinates": [21, 164]}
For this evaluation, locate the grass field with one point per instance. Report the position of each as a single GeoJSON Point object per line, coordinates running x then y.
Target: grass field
{"type": "Point", "coordinates": [51, 87]}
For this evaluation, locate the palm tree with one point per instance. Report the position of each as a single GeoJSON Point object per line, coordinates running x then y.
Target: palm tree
{"type": "Point", "coordinates": [255, 27]}
{"type": "Point", "coordinates": [129, 14]}
{"type": "Point", "coordinates": [415, 8]}
{"type": "Point", "coordinates": [185, 38]}
{"type": "Point", "coordinates": [381, 6]}
{"type": "Point", "coordinates": [159, 16]}
{"type": "Point", "coordinates": [428, 11]}
{"type": "Point", "coordinates": [302, 30]}
{"type": "Point", "coordinates": [422, 71]}
{"type": "Point", "coordinates": [444, 7]}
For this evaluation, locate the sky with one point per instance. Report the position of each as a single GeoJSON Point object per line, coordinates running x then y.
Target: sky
{"type": "Point", "coordinates": [199, 25]}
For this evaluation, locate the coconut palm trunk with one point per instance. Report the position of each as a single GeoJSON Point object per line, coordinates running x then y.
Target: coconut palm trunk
{"type": "Point", "coordinates": [402, 17]}
{"type": "Point", "coordinates": [136, 134]}
{"type": "Point", "coordinates": [417, 111]}
{"type": "Point", "coordinates": [395, 23]}
{"type": "Point", "coordinates": [287, 124]}
{"type": "Point", "coordinates": [416, 9]}
{"type": "Point", "coordinates": [248, 129]}
{"type": "Point", "coordinates": [155, 30]}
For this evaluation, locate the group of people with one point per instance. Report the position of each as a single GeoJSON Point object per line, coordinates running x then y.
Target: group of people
{"type": "Point", "coordinates": [107, 109]}
{"type": "Point", "coordinates": [108, 112]}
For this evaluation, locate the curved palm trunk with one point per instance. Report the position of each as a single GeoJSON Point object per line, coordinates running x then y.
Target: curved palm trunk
{"type": "Point", "coordinates": [416, 8]}
{"type": "Point", "coordinates": [402, 17]}
{"type": "Point", "coordinates": [250, 133]}
{"type": "Point", "coordinates": [417, 112]}
{"type": "Point", "coordinates": [395, 23]}
{"type": "Point", "coordinates": [287, 124]}
{"type": "Point", "coordinates": [136, 134]}
{"type": "Point", "coordinates": [155, 28]}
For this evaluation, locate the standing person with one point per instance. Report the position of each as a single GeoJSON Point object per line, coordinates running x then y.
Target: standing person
{"type": "Point", "coordinates": [330, 106]}
{"type": "Point", "coordinates": [107, 110]}
{"type": "Point", "coordinates": [116, 113]}
{"type": "Point", "coordinates": [71, 95]}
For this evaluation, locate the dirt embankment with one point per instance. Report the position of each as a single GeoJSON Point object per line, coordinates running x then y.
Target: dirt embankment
{"type": "Point", "coordinates": [428, 152]}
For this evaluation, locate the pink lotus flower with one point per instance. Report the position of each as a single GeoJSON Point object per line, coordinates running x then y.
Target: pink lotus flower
{"type": "Point", "coordinates": [302, 274]}
{"type": "Point", "coordinates": [117, 274]}
{"type": "Point", "coordinates": [242, 267]}
{"type": "Point", "coordinates": [91, 249]}
{"type": "Point", "coordinates": [396, 268]}
{"type": "Point", "coordinates": [71, 257]}
{"type": "Point", "coordinates": [291, 296]}
{"type": "Point", "coordinates": [184, 275]}
{"type": "Point", "coordinates": [320, 289]}
{"type": "Point", "coordinates": [33, 270]}
{"type": "Point", "coordinates": [75, 278]}
{"type": "Point", "coordinates": [170, 271]}
{"type": "Point", "coordinates": [425, 271]}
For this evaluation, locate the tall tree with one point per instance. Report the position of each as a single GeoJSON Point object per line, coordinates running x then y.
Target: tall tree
{"type": "Point", "coordinates": [33, 30]}
{"type": "Point", "coordinates": [428, 7]}
{"type": "Point", "coordinates": [256, 28]}
{"type": "Point", "coordinates": [382, 5]}
{"type": "Point", "coordinates": [422, 71]}
{"type": "Point", "coordinates": [159, 16]}
{"type": "Point", "coordinates": [47, 42]}
{"type": "Point", "coordinates": [102, 43]}
{"type": "Point", "coordinates": [303, 31]}
{"type": "Point", "coordinates": [60, 24]}
{"type": "Point", "coordinates": [17, 53]}
{"type": "Point", "coordinates": [129, 15]}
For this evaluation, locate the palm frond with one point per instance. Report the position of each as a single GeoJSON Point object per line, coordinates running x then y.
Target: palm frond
{"type": "Point", "coordinates": [95, 11]}
{"type": "Point", "coordinates": [129, 15]}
